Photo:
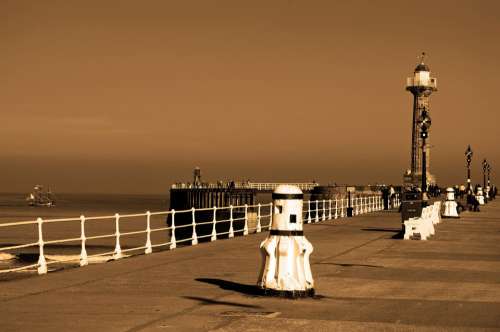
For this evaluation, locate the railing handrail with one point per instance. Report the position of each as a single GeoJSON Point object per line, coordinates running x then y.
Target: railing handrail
{"type": "Point", "coordinates": [314, 211]}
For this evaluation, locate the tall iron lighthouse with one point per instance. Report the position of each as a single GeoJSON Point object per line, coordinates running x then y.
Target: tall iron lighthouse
{"type": "Point", "coordinates": [421, 85]}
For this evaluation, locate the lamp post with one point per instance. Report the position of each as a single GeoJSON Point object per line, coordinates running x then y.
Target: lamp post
{"type": "Point", "coordinates": [489, 184]}
{"type": "Point", "coordinates": [424, 123]}
{"type": "Point", "coordinates": [485, 168]}
{"type": "Point", "coordinates": [468, 157]}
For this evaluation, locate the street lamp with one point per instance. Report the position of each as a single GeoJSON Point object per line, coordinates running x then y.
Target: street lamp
{"type": "Point", "coordinates": [489, 184]}
{"type": "Point", "coordinates": [468, 157]}
{"type": "Point", "coordinates": [424, 123]}
{"type": "Point", "coordinates": [485, 168]}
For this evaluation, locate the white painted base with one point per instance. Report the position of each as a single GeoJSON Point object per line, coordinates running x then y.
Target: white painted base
{"type": "Point", "coordinates": [450, 210]}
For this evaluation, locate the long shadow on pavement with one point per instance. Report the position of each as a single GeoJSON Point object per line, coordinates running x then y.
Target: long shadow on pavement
{"type": "Point", "coordinates": [397, 236]}
{"type": "Point", "coordinates": [348, 264]}
{"type": "Point", "coordinates": [251, 290]}
{"type": "Point", "coordinates": [206, 301]}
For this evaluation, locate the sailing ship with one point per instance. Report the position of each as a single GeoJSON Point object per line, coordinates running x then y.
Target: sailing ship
{"type": "Point", "coordinates": [41, 197]}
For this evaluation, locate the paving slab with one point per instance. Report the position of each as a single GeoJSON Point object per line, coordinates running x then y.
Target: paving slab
{"type": "Point", "coordinates": [367, 279]}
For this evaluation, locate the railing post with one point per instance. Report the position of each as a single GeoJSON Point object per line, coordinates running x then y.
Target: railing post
{"type": "Point", "coordinates": [309, 211]}
{"type": "Point", "coordinates": [342, 208]}
{"type": "Point", "coordinates": [231, 229]}
{"type": "Point", "coordinates": [42, 264]}
{"type": "Point", "coordinates": [330, 209]}
{"type": "Point", "coordinates": [270, 215]}
{"type": "Point", "coordinates": [336, 208]}
{"type": "Point", "coordinates": [258, 227]}
{"type": "Point", "coordinates": [194, 238]}
{"type": "Point", "coordinates": [245, 228]}
{"type": "Point", "coordinates": [173, 240]}
{"type": "Point", "coordinates": [324, 211]}
{"type": "Point", "coordinates": [355, 206]}
{"type": "Point", "coordinates": [118, 250]}
{"type": "Point", "coordinates": [149, 248]}
{"type": "Point", "coordinates": [316, 217]}
{"type": "Point", "coordinates": [214, 222]}
{"type": "Point", "coordinates": [83, 255]}
{"type": "Point", "coordinates": [369, 203]}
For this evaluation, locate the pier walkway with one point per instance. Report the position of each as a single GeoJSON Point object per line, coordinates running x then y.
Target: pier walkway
{"type": "Point", "coordinates": [366, 280]}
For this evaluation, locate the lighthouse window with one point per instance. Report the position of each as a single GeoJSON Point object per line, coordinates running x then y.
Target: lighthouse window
{"type": "Point", "coordinates": [293, 218]}
{"type": "Point", "coordinates": [279, 209]}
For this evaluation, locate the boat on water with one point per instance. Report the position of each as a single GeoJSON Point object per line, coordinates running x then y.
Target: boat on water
{"type": "Point", "coordinates": [41, 197]}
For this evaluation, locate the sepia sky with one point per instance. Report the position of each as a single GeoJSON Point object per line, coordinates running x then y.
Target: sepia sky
{"type": "Point", "coordinates": [130, 96]}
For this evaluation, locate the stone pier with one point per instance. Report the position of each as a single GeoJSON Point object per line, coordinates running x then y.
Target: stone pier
{"type": "Point", "coordinates": [366, 280]}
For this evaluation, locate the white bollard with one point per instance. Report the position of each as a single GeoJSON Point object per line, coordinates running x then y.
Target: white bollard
{"type": "Point", "coordinates": [285, 269]}
{"type": "Point", "coordinates": [149, 248]}
{"type": "Point", "coordinates": [42, 264]}
{"type": "Point", "coordinates": [450, 206]}
{"type": "Point", "coordinates": [118, 249]}
{"type": "Point", "coordinates": [173, 242]}
{"type": "Point", "coordinates": [83, 254]}
{"type": "Point", "coordinates": [323, 218]}
{"type": "Point", "coordinates": [330, 209]}
{"type": "Point", "coordinates": [480, 195]}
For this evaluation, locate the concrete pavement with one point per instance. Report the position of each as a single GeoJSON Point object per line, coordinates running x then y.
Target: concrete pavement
{"type": "Point", "coordinates": [366, 279]}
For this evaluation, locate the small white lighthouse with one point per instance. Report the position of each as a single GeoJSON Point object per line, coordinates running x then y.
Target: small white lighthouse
{"type": "Point", "coordinates": [285, 269]}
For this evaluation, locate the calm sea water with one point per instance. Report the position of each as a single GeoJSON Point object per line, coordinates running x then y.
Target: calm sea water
{"type": "Point", "coordinates": [13, 207]}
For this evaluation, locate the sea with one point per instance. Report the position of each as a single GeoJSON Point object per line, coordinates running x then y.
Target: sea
{"type": "Point", "coordinates": [14, 208]}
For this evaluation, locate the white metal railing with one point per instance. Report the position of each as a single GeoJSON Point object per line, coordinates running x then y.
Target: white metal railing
{"type": "Point", "coordinates": [260, 219]}
{"type": "Point", "coordinates": [430, 82]}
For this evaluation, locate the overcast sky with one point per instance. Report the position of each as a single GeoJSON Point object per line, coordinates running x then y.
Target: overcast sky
{"type": "Point", "coordinates": [130, 96]}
